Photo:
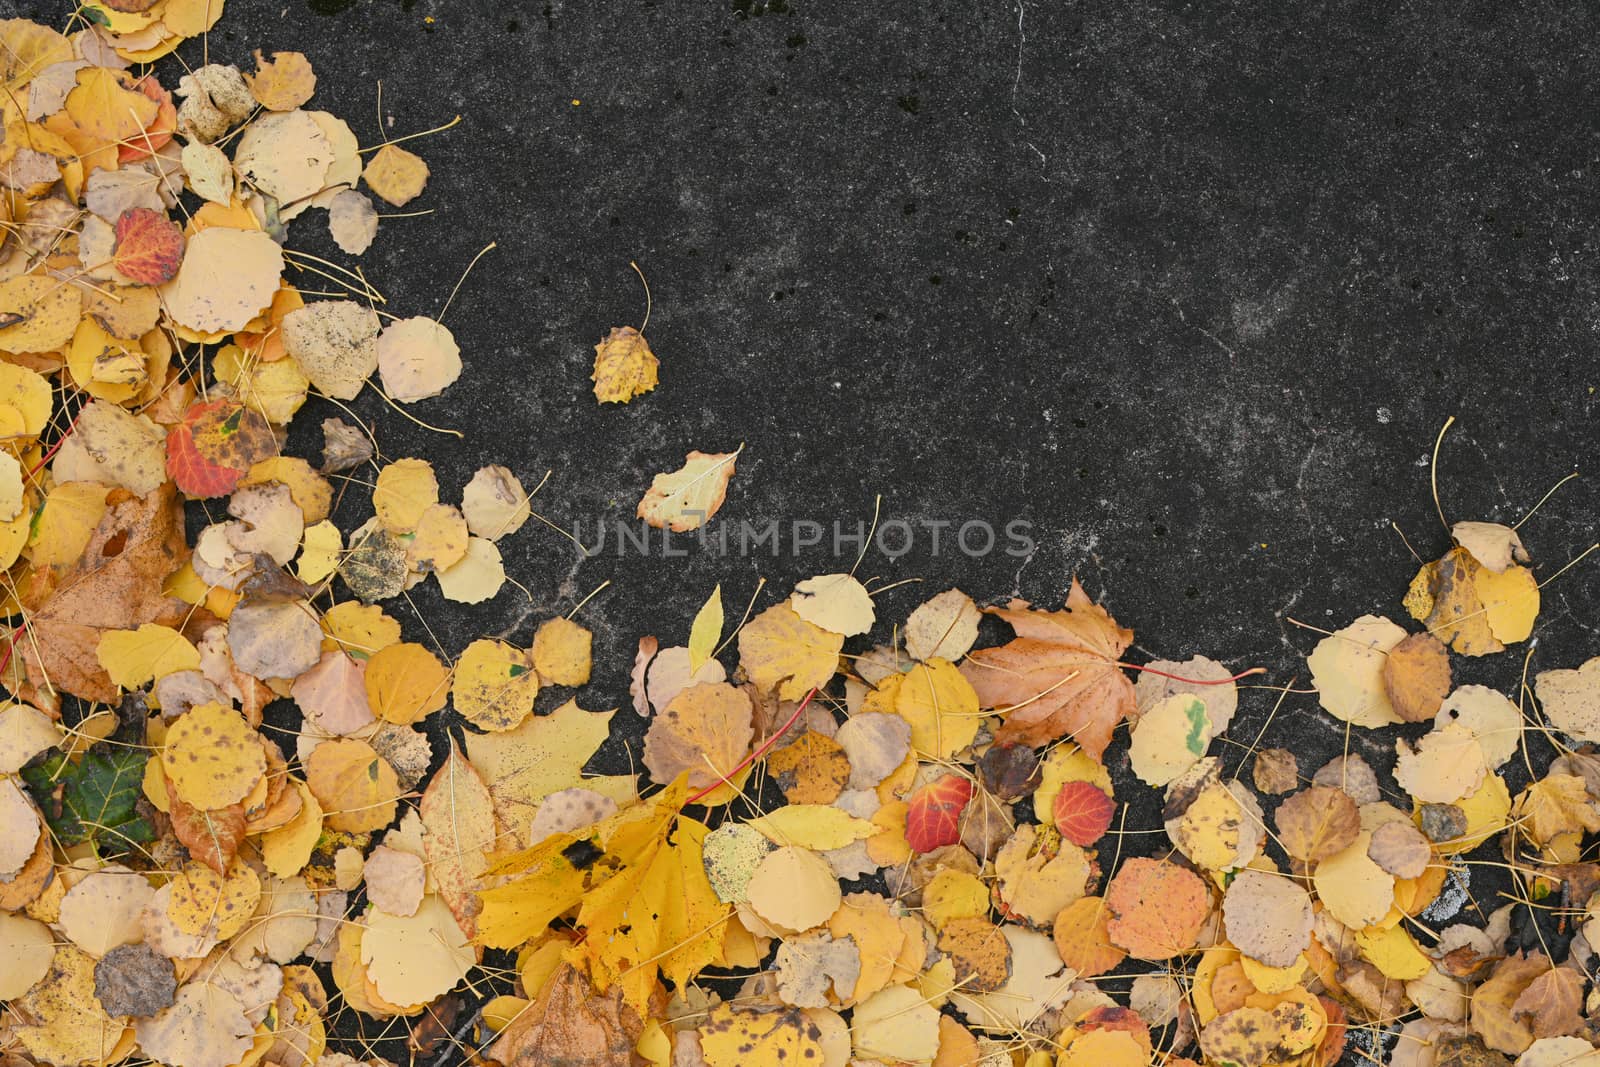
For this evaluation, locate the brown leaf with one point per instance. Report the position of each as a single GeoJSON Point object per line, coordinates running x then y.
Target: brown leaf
{"type": "Point", "coordinates": [1276, 771]}
{"type": "Point", "coordinates": [1317, 823]}
{"type": "Point", "coordinates": [980, 952]}
{"type": "Point", "coordinates": [571, 1025]}
{"type": "Point", "coordinates": [1493, 1015]}
{"type": "Point", "coordinates": [1552, 1005]}
{"type": "Point", "coordinates": [1416, 675]}
{"type": "Point", "coordinates": [1059, 677]}
{"type": "Point", "coordinates": [116, 584]}
{"type": "Point", "coordinates": [134, 980]}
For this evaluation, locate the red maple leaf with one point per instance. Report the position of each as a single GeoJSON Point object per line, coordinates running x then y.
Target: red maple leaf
{"type": "Point", "coordinates": [149, 246]}
{"type": "Point", "coordinates": [1083, 812]}
{"type": "Point", "coordinates": [933, 818]}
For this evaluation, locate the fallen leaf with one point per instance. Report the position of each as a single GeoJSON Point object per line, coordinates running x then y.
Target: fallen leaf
{"type": "Point", "coordinates": [934, 817]}
{"type": "Point", "coordinates": [1157, 908]}
{"type": "Point", "coordinates": [793, 889]}
{"type": "Point", "coordinates": [561, 652]}
{"type": "Point", "coordinates": [459, 833]}
{"type": "Point", "coordinates": [1571, 699]}
{"type": "Point", "coordinates": [284, 83]}
{"type": "Point", "coordinates": [417, 358]}
{"type": "Point", "coordinates": [355, 787]}
{"type": "Point", "coordinates": [1059, 677]}
{"type": "Point", "coordinates": [1083, 812]}
{"type": "Point", "coordinates": [785, 654]}
{"type": "Point", "coordinates": [227, 278]}
{"type": "Point", "coordinates": [705, 731]}
{"type": "Point", "coordinates": [495, 685]}
{"type": "Point", "coordinates": [835, 602]}
{"type": "Point", "coordinates": [1083, 938]}
{"type": "Point", "coordinates": [944, 627]}
{"type": "Point", "coordinates": [1317, 823]}
{"type": "Point", "coordinates": [1347, 670]}
{"type": "Point", "coordinates": [1416, 677]}
{"type": "Point", "coordinates": [624, 366]}
{"type": "Point", "coordinates": [149, 246]}
{"type": "Point", "coordinates": [570, 1023]}
{"type": "Point", "coordinates": [397, 176]}
{"type": "Point", "coordinates": [687, 498]}
{"type": "Point", "coordinates": [1267, 917]}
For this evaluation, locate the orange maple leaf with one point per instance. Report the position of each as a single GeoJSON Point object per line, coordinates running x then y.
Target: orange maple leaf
{"type": "Point", "coordinates": [1059, 677]}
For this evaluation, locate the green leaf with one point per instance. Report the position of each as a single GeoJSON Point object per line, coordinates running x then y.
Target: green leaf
{"type": "Point", "coordinates": [95, 799]}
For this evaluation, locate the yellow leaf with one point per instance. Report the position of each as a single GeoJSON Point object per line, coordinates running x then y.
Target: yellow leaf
{"type": "Point", "coordinates": [941, 706]}
{"type": "Point", "coordinates": [414, 958]}
{"type": "Point", "coordinates": [706, 630]}
{"type": "Point", "coordinates": [134, 657]}
{"type": "Point", "coordinates": [495, 685]}
{"type": "Point", "coordinates": [406, 683]}
{"type": "Point", "coordinates": [405, 489]}
{"type": "Point", "coordinates": [818, 827]}
{"type": "Point", "coordinates": [561, 652]}
{"type": "Point", "coordinates": [686, 499]}
{"type": "Point", "coordinates": [106, 110]}
{"type": "Point", "coordinates": [1347, 671]}
{"type": "Point", "coordinates": [836, 602]}
{"type": "Point", "coordinates": [41, 316]}
{"type": "Point", "coordinates": [1487, 811]}
{"type": "Point", "coordinates": [782, 652]}
{"type": "Point", "coordinates": [69, 1025]}
{"type": "Point", "coordinates": [212, 757]}
{"type": "Point", "coordinates": [624, 366]}
{"type": "Point", "coordinates": [321, 548]}
{"type": "Point", "coordinates": [284, 83]}
{"type": "Point", "coordinates": [357, 788]}
{"type": "Point", "coordinates": [547, 885]}
{"type": "Point", "coordinates": [774, 1037]}
{"type": "Point", "coordinates": [544, 755]}
{"type": "Point", "coordinates": [1510, 600]}
{"type": "Point", "coordinates": [66, 521]}
{"type": "Point", "coordinates": [396, 175]}
{"type": "Point", "coordinates": [952, 895]}
{"type": "Point", "coordinates": [1394, 953]}
{"type": "Point", "coordinates": [360, 629]}
{"type": "Point", "coordinates": [287, 849]}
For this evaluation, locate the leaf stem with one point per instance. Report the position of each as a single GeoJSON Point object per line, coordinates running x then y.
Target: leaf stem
{"type": "Point", "coordinates": [1193, 681]}
{"type": "Point", "coordinates": [766, 746]}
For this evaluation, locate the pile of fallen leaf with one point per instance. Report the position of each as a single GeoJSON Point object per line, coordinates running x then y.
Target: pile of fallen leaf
{"type": "Point", "coordinates": [948, 880]}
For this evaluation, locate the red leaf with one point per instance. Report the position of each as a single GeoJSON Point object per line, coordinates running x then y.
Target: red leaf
{"type": "Point", "coordinates": [159, 132]}
{"type": "Point", "coordinates": [217, 441]}
{"type": "Point", "coordinates": [212, 837]}
{"type": "Point", "coordinates": [933, 819]}
{"type": "Point", "coordinates": [1083, 812]}
{"type": "Point", "coordinates": [149, 246]}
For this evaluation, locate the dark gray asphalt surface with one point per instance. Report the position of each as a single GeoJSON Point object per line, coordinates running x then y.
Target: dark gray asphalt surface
{"type": "Point", "coordinates": [1190, 289]}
